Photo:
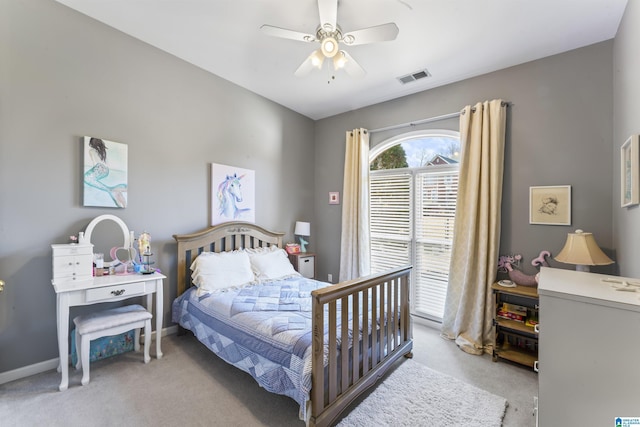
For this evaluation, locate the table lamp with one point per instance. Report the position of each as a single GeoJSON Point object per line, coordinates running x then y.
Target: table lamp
{"type": "Point", "coordinates": [582, 250]}
{"type": "Point", "coordinates": [302, 229]}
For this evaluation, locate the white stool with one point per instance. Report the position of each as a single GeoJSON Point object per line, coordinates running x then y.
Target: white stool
{"type": "Point", "coordinates": [110, 322]}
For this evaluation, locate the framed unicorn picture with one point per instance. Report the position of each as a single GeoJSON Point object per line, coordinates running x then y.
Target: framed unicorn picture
{"type": "Point", "coordinates": [233, 194]}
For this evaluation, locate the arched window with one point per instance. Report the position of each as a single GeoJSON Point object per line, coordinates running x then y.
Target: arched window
{"type": "Point", "coordinates": [414, 185]}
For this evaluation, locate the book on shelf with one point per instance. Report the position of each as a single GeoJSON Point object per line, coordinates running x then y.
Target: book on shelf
{"type": "Point", "coordinates": [511, 316]}
{"type": "Point", "coordinates": [513, 308]}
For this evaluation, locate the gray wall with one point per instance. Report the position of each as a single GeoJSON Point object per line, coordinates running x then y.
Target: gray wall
{"type": "Point", "coordinates": [559, 132]}
{"type": "Point", "coordinates": [62, 76]}
{"type": "Point", "coordinates": [626, 107]}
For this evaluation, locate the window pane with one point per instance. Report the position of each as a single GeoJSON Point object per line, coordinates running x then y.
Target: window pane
{"type": "Point", "coordinates": [412, 216]}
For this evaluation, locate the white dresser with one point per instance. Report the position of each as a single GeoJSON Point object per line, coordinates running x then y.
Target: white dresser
{"type": "Point", "coordinates": [589, 350]}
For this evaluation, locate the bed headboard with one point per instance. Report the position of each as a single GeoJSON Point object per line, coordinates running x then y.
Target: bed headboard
{"type": "Point", "coordinates": [227, 236]}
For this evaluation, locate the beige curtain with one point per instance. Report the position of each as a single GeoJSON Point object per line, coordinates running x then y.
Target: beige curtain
{"type": "Point", "coordinates": [468, 310]}
{"type": "Point", "coordinates": [354, 247]}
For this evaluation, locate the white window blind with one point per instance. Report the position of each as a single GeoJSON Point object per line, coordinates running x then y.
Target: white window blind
{"type": "Point", "coordinates": [412, 217]}
{"type": "Point", "coordinates": [391, 219]}
{"type": "Point", "coordinates": [435, 203]}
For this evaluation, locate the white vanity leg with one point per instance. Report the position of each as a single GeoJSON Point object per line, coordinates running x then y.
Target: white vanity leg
{"type": "Point", "coordinates": [159, 314]}
{"type": "Point", "coordinates": [62, 302]}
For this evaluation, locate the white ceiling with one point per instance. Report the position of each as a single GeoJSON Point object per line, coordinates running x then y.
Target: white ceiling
{"type": "Point", "coordinates": [453, 39]}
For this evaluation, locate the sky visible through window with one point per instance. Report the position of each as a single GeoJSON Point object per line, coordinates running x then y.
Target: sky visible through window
{"type": "Point", "coordinates": [421, 150]}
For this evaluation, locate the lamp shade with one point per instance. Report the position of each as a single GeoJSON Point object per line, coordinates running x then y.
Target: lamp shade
{"type": "Point", "coordinates": [581, 249]}
{"type": "Point", "coordinates": [302, 228]}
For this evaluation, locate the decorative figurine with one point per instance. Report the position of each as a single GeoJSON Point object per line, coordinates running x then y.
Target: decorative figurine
{"type": "Point", "coordinates": [517, 276]}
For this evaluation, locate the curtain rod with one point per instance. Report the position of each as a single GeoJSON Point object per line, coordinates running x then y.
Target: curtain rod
{"type": "Point", "coordinates": [428, 120]}
{"type": "Point", "coordinates": [417, 122]}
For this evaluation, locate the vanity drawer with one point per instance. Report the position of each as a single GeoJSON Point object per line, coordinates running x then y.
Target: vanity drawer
{"type": "Point", "coordinates": [108, 292]}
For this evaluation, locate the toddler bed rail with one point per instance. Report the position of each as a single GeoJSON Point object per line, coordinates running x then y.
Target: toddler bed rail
{"type": "Point", "coordinates": [380, 307]}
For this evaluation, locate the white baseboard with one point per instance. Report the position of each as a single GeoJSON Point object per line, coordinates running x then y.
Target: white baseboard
{"type": "Point", "coordinates": [27, 371]}
{"type": "Point", "coordinates": [47, 365]}
{"type": "Point", "coordinates": [426, 322]}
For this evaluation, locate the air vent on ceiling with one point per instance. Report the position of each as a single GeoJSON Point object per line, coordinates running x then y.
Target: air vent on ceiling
{"type": "Point", "coordinates": [414, 76]}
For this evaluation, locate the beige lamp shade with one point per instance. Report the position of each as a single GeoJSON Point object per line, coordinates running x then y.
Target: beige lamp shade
{"type": "Point", "coordinates": [582, 250]}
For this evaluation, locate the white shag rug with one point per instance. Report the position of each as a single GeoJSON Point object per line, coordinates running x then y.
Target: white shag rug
{"type": "Point", "coordinates": [414, 395]}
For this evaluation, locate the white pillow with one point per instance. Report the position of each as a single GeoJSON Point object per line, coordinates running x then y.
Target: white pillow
{"type": "Point", "coordinates": [271, 263]}
{"type": "Point", "coordinates": [213, 271]}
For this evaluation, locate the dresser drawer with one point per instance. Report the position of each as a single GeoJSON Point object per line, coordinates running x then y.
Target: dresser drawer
{"type": "Point", "coordinates": [108, 292]}
{"type": "Point", "coordinates": [66, 250]}
{"type": "Point", "coordinates": [306, 266]}
{"type": "Point", "coordinates": [72, 265]}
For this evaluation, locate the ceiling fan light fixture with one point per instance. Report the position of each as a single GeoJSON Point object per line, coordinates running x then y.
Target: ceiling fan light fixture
{"type": "Point", "coordinates": [317, 59]}
{"type": "Point", "coordinates": [330, 37]}
{"type": "Point", "coordinates": [329, 47]}
{"type": "Point", "coordinates": [339, 60]}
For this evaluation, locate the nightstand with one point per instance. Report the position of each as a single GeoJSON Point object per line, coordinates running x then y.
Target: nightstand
{"type": "Point", "coordinates": [304, 263]}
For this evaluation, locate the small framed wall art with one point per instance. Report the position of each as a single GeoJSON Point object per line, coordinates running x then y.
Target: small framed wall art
{"type": "Point", "coordinates": [550, 205]}
{"type": "Point", "coordinates": [629, 182]}
{"type": "Point", "coordinates": [334, 198]}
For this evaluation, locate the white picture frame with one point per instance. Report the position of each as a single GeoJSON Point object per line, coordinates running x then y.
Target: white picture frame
{"type": "Point", "coordinates": [550, 205]}
{"type": "Point", "coordinates": [105, 173]}
{"type": "Point", "coordinates": [334, 198]}
{"type": "Point", "coordinates": [233, 194]}
{"type": "Point", "coordinates": [629, 174]}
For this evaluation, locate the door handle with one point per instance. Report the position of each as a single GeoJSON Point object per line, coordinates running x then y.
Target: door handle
{"type": "Point", "coordinates": [1, 285]}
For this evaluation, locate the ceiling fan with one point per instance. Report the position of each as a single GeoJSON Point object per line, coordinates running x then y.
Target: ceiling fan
{"type": "Point", "coordinates": [330, 35]}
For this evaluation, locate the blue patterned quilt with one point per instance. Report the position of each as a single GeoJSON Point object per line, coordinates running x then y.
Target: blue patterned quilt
{"type": "Point", "coordinates": [263, 329]}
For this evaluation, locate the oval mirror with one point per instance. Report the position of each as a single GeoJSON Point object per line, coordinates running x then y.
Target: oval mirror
{"type": "Point", "coordinates": [106, 232]}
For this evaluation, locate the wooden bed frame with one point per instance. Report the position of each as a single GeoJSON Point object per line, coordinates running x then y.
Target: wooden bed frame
{"type": "Point", "coordinates": [333, 388]}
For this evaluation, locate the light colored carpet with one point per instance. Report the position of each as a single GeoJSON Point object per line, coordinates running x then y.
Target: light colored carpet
{"type": "Point", "coordinates": [414, 395]}
{"type": "Point", "coordinates": [191, 387]}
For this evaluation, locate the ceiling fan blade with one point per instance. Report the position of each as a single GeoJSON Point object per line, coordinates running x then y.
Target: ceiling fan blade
{"type": "Point", "coordinates": [287, 34]}
{"type": "Point", "coordinates": [351, 67]}
{"type": "Point", "coordinates": [328, 10]}
{"type": "Point", "coordinates": [379, 33]}
{"type": "Point", "coordinates": [314, 60]}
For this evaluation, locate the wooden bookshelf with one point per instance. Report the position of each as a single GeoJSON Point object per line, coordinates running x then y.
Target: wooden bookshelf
{"type": "Point", "coordinates": [514, 340]}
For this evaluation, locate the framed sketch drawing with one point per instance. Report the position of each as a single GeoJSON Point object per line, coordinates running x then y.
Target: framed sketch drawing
{"type": "Point", "coordinates": [105, 173]}
{"type": "Point", "coordinates": [629, 182]}
{"type": "Point", "coordinates": [550, 205]}
{"type": "Point", "coordinates": [233, 194]}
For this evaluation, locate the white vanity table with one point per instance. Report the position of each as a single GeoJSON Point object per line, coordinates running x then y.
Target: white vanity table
{"type": "Point", "coordinates": [74, 285]}
{"type": "Point", "coordinates": [104, 289]}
